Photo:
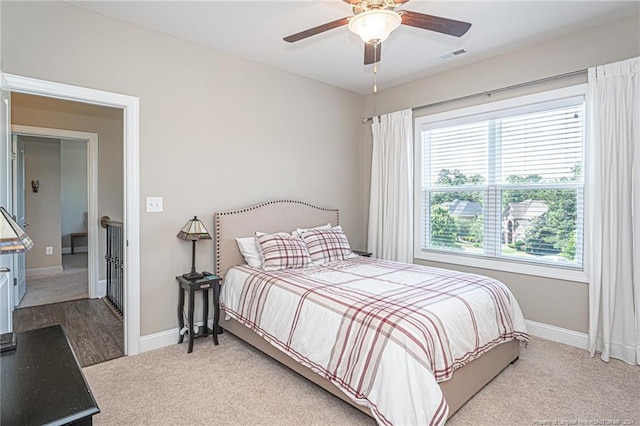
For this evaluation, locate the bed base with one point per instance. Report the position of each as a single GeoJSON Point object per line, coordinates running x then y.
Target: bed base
{"type": "Point", "coordinates": [465, 383]}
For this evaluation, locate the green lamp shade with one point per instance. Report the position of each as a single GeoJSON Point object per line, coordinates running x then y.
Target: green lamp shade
{"type": "Point", "coordinates": [194, 230]}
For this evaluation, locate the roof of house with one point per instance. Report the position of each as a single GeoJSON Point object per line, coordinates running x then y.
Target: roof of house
{"type": "Point", "coordinates": [527, 209]}
{"type": "Point", "coordinates": [463, 208]}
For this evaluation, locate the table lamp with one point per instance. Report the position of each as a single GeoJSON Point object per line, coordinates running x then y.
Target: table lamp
{"type": "Point", "coordinates": [194, 230]}
{"type": "Point", "coordinates": [12, 240]}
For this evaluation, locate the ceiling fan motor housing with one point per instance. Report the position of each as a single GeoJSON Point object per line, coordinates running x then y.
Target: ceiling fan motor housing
{"type": "Point", "coordinates": [364, 6]}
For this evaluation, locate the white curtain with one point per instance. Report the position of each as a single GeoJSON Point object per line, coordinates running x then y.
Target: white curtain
{"type": "Point", "coordinates": [613, 200]}
{"type": "Point", "coordinates": [391, 203]}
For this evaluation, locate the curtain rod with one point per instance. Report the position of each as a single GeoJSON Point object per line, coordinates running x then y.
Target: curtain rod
{"type": "Point", "coordinates": [490, 92]}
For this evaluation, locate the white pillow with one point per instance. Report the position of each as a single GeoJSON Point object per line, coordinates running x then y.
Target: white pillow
{"type": "Point", "coordinates": [249, 249]}
{"type": "Point", "coordinates": [298, 232]}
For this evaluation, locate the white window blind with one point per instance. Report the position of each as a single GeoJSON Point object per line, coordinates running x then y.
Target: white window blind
{"type": "Point", "coordinates": [505, 184]}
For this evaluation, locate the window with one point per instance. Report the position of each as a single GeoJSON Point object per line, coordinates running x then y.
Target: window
{"type": "Point", "coordinates": [504, 182]}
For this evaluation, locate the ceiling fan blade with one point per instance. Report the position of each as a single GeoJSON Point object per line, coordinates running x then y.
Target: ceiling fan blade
{"type": "Point", "coordinates": [370, 52]}
{"type": "Point", "coordinates": [317, 30]}
{"type": "Point", "coordinates": [435, 23]}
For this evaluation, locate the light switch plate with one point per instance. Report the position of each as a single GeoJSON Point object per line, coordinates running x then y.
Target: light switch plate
{"type": "Point", "coordinates": [154, 204]}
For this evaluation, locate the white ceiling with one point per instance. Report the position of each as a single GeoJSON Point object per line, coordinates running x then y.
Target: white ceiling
{"type": "Point", "coordinates": [254, 30]}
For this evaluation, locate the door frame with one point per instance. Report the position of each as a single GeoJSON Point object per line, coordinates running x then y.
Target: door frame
{"type": "Point", "coordinates": [18, 176]}
{"type": "Point", "coordinates": [92, 190]}
{"type": "Point", "coordinates": [6, 262]}
{"type": "Point", "coordinates": [130, 106]}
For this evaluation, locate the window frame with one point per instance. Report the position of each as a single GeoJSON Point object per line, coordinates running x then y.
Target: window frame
{"type": "Point", "coordinates": [547, 99]}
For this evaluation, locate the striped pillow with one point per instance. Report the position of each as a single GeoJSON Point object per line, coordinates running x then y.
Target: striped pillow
{"type": "Point", "coordinates": [282, 251]}
{"type": "Point", "coordinates": [326, 245]}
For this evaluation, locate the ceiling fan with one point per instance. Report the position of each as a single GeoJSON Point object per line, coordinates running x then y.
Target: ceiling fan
{"type": "Point", "coordinates": [373, 21]}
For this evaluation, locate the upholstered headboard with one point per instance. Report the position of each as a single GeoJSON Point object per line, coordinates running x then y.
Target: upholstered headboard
{"type": "Point", "coordinates": [272, 216]}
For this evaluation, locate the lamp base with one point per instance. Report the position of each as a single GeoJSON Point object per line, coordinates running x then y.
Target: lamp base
{"type": "Point", "coordinates": [8, 342]}
{"type": "Point", "coordinates": [193, 276]}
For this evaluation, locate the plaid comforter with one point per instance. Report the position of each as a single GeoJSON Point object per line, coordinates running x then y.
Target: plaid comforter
{"type": "Point", "coordinates": [383, 332]}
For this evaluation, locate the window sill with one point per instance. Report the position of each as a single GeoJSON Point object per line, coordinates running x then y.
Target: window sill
{"type": "Point", "coordinates": [504, 265]}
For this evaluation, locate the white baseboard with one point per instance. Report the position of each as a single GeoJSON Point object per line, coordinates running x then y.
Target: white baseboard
{"type": "Point", "coordinates": [538, 329]}
{"type": "Point", "coordinates": [38, 272]}
{"type": "Point", "coordinates": [158, 340]}
{"type": "Point", "coordinates": [164, 338]}
{"type": "Point", "coordinates": [67, 250]}
{"type": "Point", "coordinates": [557, 334]}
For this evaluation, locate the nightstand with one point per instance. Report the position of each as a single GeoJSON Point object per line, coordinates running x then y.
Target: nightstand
{"type": "Point", "coordinates": [191, 286]}
{"type": "Point", "coordinates": [362, 253]}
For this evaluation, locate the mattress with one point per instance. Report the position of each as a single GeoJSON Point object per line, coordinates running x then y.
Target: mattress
{"type": "Point", "coordinates": [383, 332]}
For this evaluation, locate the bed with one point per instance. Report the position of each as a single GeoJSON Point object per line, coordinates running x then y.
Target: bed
{"type": "Point", "coordinates": [456, 378]}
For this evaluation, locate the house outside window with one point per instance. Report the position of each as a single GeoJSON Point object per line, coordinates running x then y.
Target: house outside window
{"type": "Point", "coordinates": [501, 186]}
{"type": "Point", "coordinates": [518, 216]}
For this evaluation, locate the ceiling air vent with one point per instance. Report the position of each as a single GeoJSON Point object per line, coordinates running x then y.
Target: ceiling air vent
{"type": "Point", "coordinates": [452, 54]}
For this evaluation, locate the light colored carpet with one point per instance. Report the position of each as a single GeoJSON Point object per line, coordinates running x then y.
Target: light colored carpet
{"type": "Point", "coordinates": [228, 384]}
{"type": "Point", "coordinates": [555, 384]}
{"type": "Point", "coordinates": [233, 384]}
{"type": "Point", "coordinates": [71, 284]}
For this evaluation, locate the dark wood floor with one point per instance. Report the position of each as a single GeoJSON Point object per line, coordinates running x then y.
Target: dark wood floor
{"type": "Point", "coordinates": [95, 333]}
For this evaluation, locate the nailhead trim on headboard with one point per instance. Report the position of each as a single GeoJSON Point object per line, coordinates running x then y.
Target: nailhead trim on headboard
{"type": "Point", "coordinates": [255, 207]}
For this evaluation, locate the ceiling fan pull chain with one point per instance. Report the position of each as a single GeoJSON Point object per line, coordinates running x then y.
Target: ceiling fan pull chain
{"type": "Point", "coordinates": [375, 68]}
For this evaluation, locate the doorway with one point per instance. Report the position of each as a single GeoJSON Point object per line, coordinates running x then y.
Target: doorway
{"type": "Point", "coordinates": [54, 198]}
{"type": "Point", "coordinates": [130, 108]}
{"type": "Point", "coordinates": [48, 257]}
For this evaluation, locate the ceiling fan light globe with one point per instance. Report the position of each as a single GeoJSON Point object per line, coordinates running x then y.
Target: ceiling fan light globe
{"type": "Point", "coordinates": [375, 24]}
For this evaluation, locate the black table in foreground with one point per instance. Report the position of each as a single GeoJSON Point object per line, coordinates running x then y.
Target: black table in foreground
{"type": "Point", "coordinates": [42, 382]}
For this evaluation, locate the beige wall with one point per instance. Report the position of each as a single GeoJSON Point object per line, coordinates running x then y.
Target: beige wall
{"type": "Point", "coordinates": [107, 122]}
{"type": "Point", "coordinates": [73, 190]}
{"type": "Point", "coordinates": [217, 132]}
{"type": "Point", "coordinates": [555, 302]}
{"type": "Point", "coordinates": [42, 208]}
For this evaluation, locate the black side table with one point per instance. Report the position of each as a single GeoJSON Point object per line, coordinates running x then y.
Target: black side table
{"type": "Point", "coordinates": [191, 286]}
